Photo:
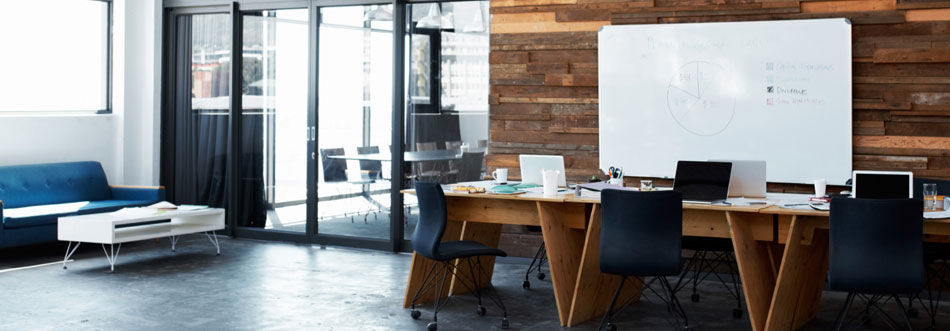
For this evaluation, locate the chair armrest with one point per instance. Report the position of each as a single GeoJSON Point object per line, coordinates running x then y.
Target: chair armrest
{"type": "Point", "coordinates": [150, 193]}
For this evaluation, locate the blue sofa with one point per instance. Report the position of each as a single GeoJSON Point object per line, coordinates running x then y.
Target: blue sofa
{"type": "Point", "coordinates": [58, 183]}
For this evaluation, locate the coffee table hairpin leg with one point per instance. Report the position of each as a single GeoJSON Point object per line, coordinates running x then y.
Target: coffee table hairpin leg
{"type": "Point", "coordinates": [214, 240]}
{"type": "Point", "coordinates": [114, 253]}
{"type": "Point", "coordinates": [69, 253]}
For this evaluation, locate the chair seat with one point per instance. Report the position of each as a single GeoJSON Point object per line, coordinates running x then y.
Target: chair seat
{"type": "Point", "coordinates": [466, 248]}
{"type": "Point", "coordinates": [707, 244]}
{"type": "Point", "coordinates": [936, 251]}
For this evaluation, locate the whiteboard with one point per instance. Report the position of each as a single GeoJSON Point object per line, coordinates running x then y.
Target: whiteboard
{"type": "Point", "coordinates": [778, 91]}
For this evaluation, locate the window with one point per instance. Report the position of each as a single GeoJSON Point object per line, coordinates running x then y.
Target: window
{"type": "Point", "coordinates": [55, 56]}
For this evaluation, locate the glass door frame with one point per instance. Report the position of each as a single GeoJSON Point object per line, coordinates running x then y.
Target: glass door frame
{"type": "Point", "coordinates": [395, 241]}
{"type": "Point", "coordinates": [175, 9]}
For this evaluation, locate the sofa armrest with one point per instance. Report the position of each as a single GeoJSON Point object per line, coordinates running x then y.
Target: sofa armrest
{"type": "Point", "coordinates": [150, 193]}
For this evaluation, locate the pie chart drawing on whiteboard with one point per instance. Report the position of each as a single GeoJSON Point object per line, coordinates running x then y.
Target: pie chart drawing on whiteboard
{"type": "Point", "coordinates": [699, 98]}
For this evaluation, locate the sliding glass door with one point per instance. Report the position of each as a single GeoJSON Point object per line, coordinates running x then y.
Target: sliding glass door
{"type": "Point", "coordinates": [354, 113]}
{"type": "Point", "coordinates": [275, 120]}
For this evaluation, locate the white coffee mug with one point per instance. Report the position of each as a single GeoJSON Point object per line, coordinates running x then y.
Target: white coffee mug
{"type": "Point", "coordinates": [549, 180]}
{"type": "Point", "coordinates": [500, 175]}
{"type": "Point", "coordinates": [820, 186]}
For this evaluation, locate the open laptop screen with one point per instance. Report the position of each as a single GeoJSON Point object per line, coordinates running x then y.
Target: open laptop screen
{"type": "Point", "coordinates": [702, 181]}
{"type": "Point", "coordinates": [882, 184]}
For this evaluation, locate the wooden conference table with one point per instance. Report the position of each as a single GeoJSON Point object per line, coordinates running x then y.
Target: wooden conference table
{"type": "Point", "coordinates": [782, 253]}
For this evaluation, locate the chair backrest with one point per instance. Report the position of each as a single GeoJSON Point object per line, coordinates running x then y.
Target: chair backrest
{"type": "Point", "coordinates": [51, 183]}
{"type": "Point", "coordinates": [470, 167]}
{"type": "Point", "coordinates": [426, 166]}
{"type": "Point", "coordinates": [876, 246]}
{"type": "Point", "coordinates": [428, 146]}
{"type": "Point", "coordinates": [432, 217]}
{"type": "Point", "coordinates": [641, 232]}
{"type": "Point", "coordinates": [374, 168]}
{"type": "Point", "coordinates": [943, 186]}
{"type": "Point", "coordinates": [454, 165]}
{"type": "Point", "coordinates": [454, 144]}
{"type": "Point", "coordinates": [334, 170]}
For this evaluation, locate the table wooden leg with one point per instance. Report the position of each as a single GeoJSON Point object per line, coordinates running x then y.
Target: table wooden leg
{"type": "Point", "coordinates": [593, 289]}
{"type": "Point", "coordinates": [485, 233]}
{"type": "Point", "coordinates": [421, 265]}
{"type": "Point", "coordinates": [564, 246]}
{"type": "Point", "coordinates": [801, 277]}
{"type": "Point", "coordinates": [755, 264]}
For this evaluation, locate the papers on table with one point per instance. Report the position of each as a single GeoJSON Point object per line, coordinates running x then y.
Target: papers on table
{"type": "Point", "coordinates": [139, 211]}
{"type": "Point", "coordinates": [163, 205]}
{"type": "Point", "coordinates": [748, 202]}
{"type": "Point", "coordinates": [59, 208]}
{"type": "Point", "coordinates": [937, 214]}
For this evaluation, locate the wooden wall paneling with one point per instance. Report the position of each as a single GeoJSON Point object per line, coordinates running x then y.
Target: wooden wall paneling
{"type": "Point", "coordinates": [543, 71]}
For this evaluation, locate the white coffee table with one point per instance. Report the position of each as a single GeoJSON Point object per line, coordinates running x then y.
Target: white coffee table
{"type": "Point", "coordinates": [115, 228]}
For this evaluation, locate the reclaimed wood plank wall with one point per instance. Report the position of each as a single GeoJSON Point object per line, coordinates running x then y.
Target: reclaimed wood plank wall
{"type": "Point", "coordinates": [544, 74]}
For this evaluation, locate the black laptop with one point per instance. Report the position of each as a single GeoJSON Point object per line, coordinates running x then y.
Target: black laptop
{"type": "Point", "coordinates": [703, 182]}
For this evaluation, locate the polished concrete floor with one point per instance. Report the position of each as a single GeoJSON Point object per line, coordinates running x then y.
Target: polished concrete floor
{"type": "Point", "coordinates": [257, 285]}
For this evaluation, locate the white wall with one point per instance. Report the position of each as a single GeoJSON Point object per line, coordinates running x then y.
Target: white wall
{"type": "Point", "coordinates": [139, 81]}
{"type": "Point", "coordinates": [125, 142]}
{"type": "Point", "coordinates": [53, 138]}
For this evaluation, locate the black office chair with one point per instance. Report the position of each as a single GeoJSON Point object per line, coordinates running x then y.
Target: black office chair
{"type": "Point", "coordinates": [427, 241]}
{"type": "Point", "coordinates": [428, 170]}
{"type": "Point", "coordinates": [537, 262]}
{"type": "Point", "coordinates": [334, 171]}
{"type": "Point", "coordinates": [470, 167]}
{"type": "Point", "coordinates": [936, 260]}
{"type": "Point", "coordinates": [709, 254]}
{"type": "Point", "coordinates": [875, 253]}
{"type": "Point", "coordinates": [641, 235]}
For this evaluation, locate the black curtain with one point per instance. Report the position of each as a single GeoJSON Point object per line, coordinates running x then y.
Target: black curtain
{"type": "Point", "coordinates": [200, 143]}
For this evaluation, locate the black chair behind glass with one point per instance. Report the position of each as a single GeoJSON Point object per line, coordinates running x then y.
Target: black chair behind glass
{"type": "Point", "coordinates": [875, 253]}
{"type": "Point", "coordinates": [641, 235]}
{"type": "Point", "coordinates": [373, 168]}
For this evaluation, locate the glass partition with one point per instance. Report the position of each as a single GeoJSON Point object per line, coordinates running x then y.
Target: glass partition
{"type": "Point", "coordinates": [447, 94]}
{"type": "Point", "coordinates": [354, 121]}
{"type": "Point", "coordinates": [275, 119]}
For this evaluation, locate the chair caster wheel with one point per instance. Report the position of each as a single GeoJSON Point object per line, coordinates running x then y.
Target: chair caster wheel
{"type": "Point", "coordinates": [541, 276]}
{"type": "Point", "coordinates": [688, 328]}
{"type": "Point", "coordinates": [480, 310]}
{"type": "Point", "coordinates": [504, 323]}
{"type": "Point", "coordinates": [694, 297]}
{"type": "Point", "coordinates": [736, 313]}
{"type": "Point", "coordinates": [610, 327]}
{"type": "Point", "coordinates": [432, 326]}
{"type": "Point", "coordinates": [415, 314]}
{"type": "Point", "coordinates": [64, 267]}
{"type": "Point", "coordinates": [526, 285]}
{"type": "Point", "coordinates": [913, 313]}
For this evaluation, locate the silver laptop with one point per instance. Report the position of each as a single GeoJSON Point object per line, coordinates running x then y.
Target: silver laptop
{"type": "Point", "coordinates": [531, 166]}
{"type": "Point", "coordinates": [748, 178]}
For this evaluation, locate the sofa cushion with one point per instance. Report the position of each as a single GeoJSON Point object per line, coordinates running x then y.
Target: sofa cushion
{"type": "Point", "coordinates": [31, 221]}
{"type": "Point", "coordinates": [106, 206]}
{"type": "Point", "coordinates": [52, 183]}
